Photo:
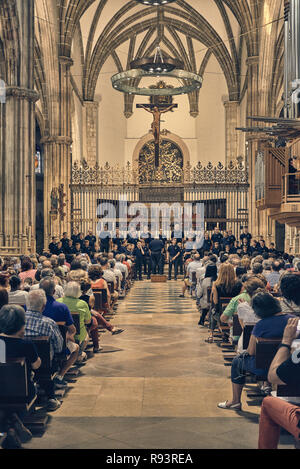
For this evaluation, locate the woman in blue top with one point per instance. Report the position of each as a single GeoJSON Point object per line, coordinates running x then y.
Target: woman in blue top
{"type": "Point", "coordinates": [271, 325]}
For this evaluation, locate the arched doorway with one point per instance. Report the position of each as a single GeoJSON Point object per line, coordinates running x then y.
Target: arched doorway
{"type": "Point", "coordinates": [39, 181]}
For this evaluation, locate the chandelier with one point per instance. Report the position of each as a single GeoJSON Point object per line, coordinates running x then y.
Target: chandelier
{"type": "Point", "coordinates": [155, 2]}
{"type": "Point", "coordinates": [156, 66]}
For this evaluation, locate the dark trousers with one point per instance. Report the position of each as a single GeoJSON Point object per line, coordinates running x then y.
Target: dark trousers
{"type": "Point", "coordinates": [155, 262]}
{"type": "Point", "coordinates": [161, 267]}
{"type": "Point", "coordinates": [147, 266]}
{"type": "Point", "coordinates": [138, 268]}
{"type": "Point", "coordinates": [174, 263]}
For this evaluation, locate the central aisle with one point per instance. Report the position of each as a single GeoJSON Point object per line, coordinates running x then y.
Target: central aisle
{"type": "Point", "coordinates": [157, 385]}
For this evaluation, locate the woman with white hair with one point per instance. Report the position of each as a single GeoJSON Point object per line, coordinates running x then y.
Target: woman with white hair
{"type": "Point", "coordinates": [75, 305]}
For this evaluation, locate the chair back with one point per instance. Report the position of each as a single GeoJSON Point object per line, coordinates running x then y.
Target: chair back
{"type": "Point", "coordinates": [98, 295]}
{"type": "Point", "coordinates": [223, 303]}
{"type": "Point", "coordinates": [63, 330]}
{"type": "Point", "coordinates": [44, 351]}
{"type": "Point", "coordinates": [76, 319]}
{"type": "Point", "coordinates": [13, 380]}
{"type": "Point", "coordinates": [266, 350]}
{"type": "Point", "coordinates": [236, 327]}
{"type": "Point", "coordinates": [246, 335]}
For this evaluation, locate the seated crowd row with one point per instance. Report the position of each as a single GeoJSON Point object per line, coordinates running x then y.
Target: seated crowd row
{"type": "Point", "coordinates": [262, 293]}
{"type": "Point", "coordinates": [66, 303]}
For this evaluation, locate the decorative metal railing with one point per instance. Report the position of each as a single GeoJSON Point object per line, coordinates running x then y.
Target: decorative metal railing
{"type": "Point", "coordinates": [83, 174]}
{"type": "Point", "coordinates": [224, 190]}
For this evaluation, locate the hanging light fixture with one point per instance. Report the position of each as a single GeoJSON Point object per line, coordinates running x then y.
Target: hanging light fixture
{"type": "Point", "coordinates": [155, 3]}
{"type": "Point", "coordinates": [156, 66]}
{"type": "Point", "coordinates": [124, 82]}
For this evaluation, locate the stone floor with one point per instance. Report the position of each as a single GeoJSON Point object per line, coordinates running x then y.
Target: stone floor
{"type": "Point", "coordinates": [157, 385]}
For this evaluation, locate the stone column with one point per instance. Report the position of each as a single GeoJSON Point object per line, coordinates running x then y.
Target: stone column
{"type": "Point", "coordinates": [252, 139]}
{"type": "Point", "coordinates": [58, 160]}
{"type": "Point", "coordinates": [231, 123]}
{"type": "Point", "coordinates": [90, 132]}
{"type": "Point", "coordinates": [17, 148]}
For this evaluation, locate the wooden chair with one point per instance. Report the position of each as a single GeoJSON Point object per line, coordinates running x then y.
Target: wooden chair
{"type": "Point", "coordinates": [46, 372]}
{"type": "Point", "coordinates": [14, 394]}
{"type": "Point", "coordinates": [76, 319]}
{"type": "Point", "coordinates": [98, 300]}
{"type": "Point", "coordinates": [246, 335]}
{"type": "Point", "coordinates": [63, 330]}
{"type": "Point", "coordinates": [288, 391]}
{"type": "Point", "coordinates": [266, 350]}
{"type": "Point", "coordinates": [224, 328]}
{"type": "Point", "coordinates": [237, 329]}
{"type": "Point", "coordinates": [101, 300]}
{"type": "Point", "coordinates": [111, 287]}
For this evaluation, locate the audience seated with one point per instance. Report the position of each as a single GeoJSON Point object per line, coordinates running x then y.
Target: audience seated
{"type": "Point", "coordinates": [272, 324]}
{"type": "Point", "coordinates": [37, 325]}
{"type": "Point", "coordinates": [75, 305]}
{"type": "Point", "coordinates": [289, 287]}
{"type": "Point", "coordinates": [204, 291]}
{"type": "Point", "coordinates": [60, 313]}
{"type": "Point", "coordinates": [12, 331]}
{"type": "Point", "coordinates": [61, 284]}
{"type": "Point", "coordinates": [226, 286]}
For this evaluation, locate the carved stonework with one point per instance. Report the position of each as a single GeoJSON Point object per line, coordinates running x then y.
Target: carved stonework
{"type": "Point", "coordinates": [90, 123]}
{"type": "Point", "coordinates": [57, 139]}
{"type": "Point", "coordinates": [24, 93]}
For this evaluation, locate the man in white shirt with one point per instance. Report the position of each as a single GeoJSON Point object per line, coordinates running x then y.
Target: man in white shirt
{"type": "Point", "coordinates": [119, 265]}
{"type": "Point", "coordinates": [117, 272]}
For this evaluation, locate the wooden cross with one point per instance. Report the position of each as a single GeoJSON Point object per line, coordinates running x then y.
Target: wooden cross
{"type": "Point", "coordinates": [156, 111]}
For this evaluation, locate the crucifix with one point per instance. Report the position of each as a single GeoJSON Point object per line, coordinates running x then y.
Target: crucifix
{"type": "Point", "coordinates": [156, 111]}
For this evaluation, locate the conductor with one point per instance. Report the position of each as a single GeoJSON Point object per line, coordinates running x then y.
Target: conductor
{"type": "Point", "coordinates": [156, 249]}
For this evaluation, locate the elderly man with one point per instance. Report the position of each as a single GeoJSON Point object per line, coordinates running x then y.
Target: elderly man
{"type": "Point", "coordinates": [123, 268]}
{"type": "Point", "coordinates": [191, 268]}
{"type": "Point", "coordinates": [116, 271]}
{"type": "Point", "coordinates": [60, 313]}
{"type": "Point", "coordinates": [36, 326]}
{"type": "Point", "coordinates": [59, 291]}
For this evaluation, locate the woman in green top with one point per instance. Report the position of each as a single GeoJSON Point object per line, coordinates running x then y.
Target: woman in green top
{"type": "Point", "coordinates": [249, 287]}
{"type": "Point", "coordinates": [71, 299]}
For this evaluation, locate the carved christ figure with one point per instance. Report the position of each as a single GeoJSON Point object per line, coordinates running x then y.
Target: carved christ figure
{"type": "Point", "coordinates": [156, 120]}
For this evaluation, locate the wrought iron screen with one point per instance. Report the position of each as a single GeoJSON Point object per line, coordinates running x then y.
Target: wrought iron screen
{"type": "Point", "coordinates": [224, 190]}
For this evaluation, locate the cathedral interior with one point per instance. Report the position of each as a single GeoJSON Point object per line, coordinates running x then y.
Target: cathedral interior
{"type": "Point", "coordinates": [61, 112]}
{"type": "Point", "coordinates": [175, 101]}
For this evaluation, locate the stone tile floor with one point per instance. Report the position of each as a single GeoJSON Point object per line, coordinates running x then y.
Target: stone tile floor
{"type": "Point", "coordinates": [157, 386]}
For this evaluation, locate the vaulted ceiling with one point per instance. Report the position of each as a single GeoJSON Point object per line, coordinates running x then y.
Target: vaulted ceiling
{"type": "Point", "coordinates": [191, 30]}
